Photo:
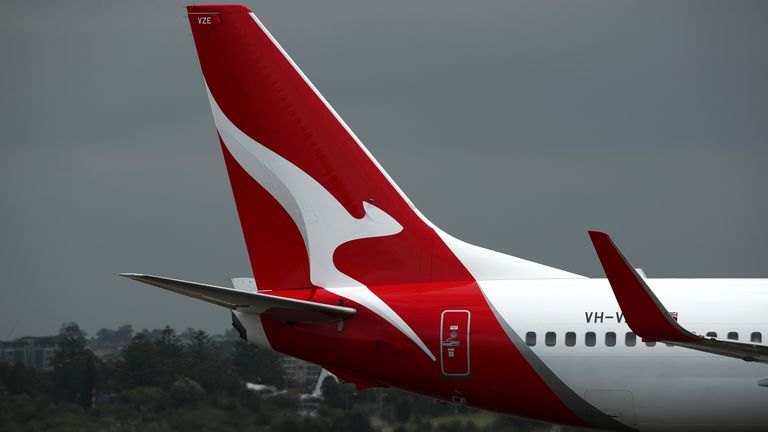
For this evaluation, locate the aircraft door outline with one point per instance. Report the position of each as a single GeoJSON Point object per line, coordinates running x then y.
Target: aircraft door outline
{"type": "Point", "coordinates": [454, 343]}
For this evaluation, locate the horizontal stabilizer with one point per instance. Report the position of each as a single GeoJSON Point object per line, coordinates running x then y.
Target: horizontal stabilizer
{"type": "Point", "coordinates": [269, 306]}
{"type": "Point", "coordinates": [649, 319]}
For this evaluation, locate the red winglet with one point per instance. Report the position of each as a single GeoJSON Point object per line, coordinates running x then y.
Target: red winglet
{"type": "Point", "coordinates": [644, 313]}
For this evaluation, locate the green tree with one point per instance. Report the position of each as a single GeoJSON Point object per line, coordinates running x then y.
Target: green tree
{"type": "Point", "coordinates": [74, 376]}
{"type": "Point", "coordinates": [206, 365]}
{"type": "Point", "coordinates": [170, 350]}
{"type": "Point", "coordinates": [89, 382]}
{"type": "Point", "coordinates": [17, 379]}
{"type": "Point", "coordinates": [149, 363]}
{"type": "Point", "coordinates": [350, 421]}
{"type": "Point", "coordinates": [402, 410]}
{"type": "Point", "coordinates": [257, 365]}
{"type": "Point", "coordinates": [145, 399]}
{"type": "Point", "coordinates": [286, 423]}
{"type": "Point", "coordinates": [336, 394]}
{"type": "Point", "coordinates": [123, 333]}
{"type": "Point", "coordinates": [186, 392]}
{"type": "Point", "coordinates": [139, 364]}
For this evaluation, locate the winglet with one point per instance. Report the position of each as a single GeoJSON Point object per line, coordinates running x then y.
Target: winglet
{"type": "Point", "coordinates": [644, 313]}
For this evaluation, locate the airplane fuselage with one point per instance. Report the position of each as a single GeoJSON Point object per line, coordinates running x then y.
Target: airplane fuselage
{"type": "Point", "coordinates": [584, 366]}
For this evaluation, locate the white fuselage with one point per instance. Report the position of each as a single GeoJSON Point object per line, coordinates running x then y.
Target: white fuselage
{"type": "Point", "coordinates": [648, 387]}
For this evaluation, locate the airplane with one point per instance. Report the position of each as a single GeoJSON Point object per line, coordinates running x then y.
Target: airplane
{"type": "Point", "coordinates": [348, 274]}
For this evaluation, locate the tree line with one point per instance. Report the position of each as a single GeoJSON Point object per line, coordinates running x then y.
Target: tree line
{"type": "Point", "coordinates": [165, 381]}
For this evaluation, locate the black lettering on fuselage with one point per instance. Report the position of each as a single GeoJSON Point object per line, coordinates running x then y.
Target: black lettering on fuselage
{"type": "Point", "coordinates": [601, 317]}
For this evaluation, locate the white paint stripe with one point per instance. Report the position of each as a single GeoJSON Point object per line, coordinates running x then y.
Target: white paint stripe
{"type": "Point", "coordinates": [323, 221]}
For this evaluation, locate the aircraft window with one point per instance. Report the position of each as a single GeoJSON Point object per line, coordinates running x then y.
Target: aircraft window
{"type": "Point", "coordinates": [570, 339]}
{"type": "Point", "coordinates": [530, 339]}
{"type": "Point", "coordinates": [550, 338]}
{"type": "Point", "coordinates": [630, 339]}
{"type": "Point", "coordinates": [610, 339]}
{"type": "Point", "coordinates": [650, 343]}
{"type": "Point", "coordinates": [712, 334]}
{"type": "Point", "coordinates": [733, 336]}
{"type": "Point", "coordinates": [756, 337]}
{"type": "Point", "coordinates": [590, 339]}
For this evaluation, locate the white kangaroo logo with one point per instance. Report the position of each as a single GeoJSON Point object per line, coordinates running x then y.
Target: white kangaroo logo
{"type": "Point", "coordinates": [323, 222]}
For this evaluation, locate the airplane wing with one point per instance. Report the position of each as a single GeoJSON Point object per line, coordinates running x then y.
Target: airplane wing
{"type": "Point", "coordinates": [649, 319]}
{"type": "Point", "coordinates": [273, 307]}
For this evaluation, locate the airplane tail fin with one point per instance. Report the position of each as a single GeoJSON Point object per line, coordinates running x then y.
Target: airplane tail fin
{"type": "Point", "coordinates": [315, 206]}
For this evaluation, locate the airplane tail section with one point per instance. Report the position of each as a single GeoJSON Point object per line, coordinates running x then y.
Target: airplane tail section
{"type": "Point", "coordinates": [315, 206]}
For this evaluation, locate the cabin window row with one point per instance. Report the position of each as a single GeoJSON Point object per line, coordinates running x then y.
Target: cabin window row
{"type": "Point", "coordinates": [630, 339]}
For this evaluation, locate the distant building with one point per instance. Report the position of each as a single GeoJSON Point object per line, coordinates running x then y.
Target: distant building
{"type": "Point", "coordinates": [108, 344]}
{"type": "Point", "coordinates": [106, 351]}
{"type": "Point", "coordinates": [32, 352]}
{"type": "Point", "coordinates": [300, 374]}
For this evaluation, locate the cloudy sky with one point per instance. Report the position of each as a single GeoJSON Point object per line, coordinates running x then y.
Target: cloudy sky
{"type": "Point", "coordinates": [516, 125]}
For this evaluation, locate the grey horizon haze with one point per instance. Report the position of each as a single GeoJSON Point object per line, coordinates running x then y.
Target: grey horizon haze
{"type": "Point", "coordinates": [515, 125]}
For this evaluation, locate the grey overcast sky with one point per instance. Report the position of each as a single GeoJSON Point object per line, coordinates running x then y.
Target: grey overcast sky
{"type": "Point", "coordinates": [516, 125]}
